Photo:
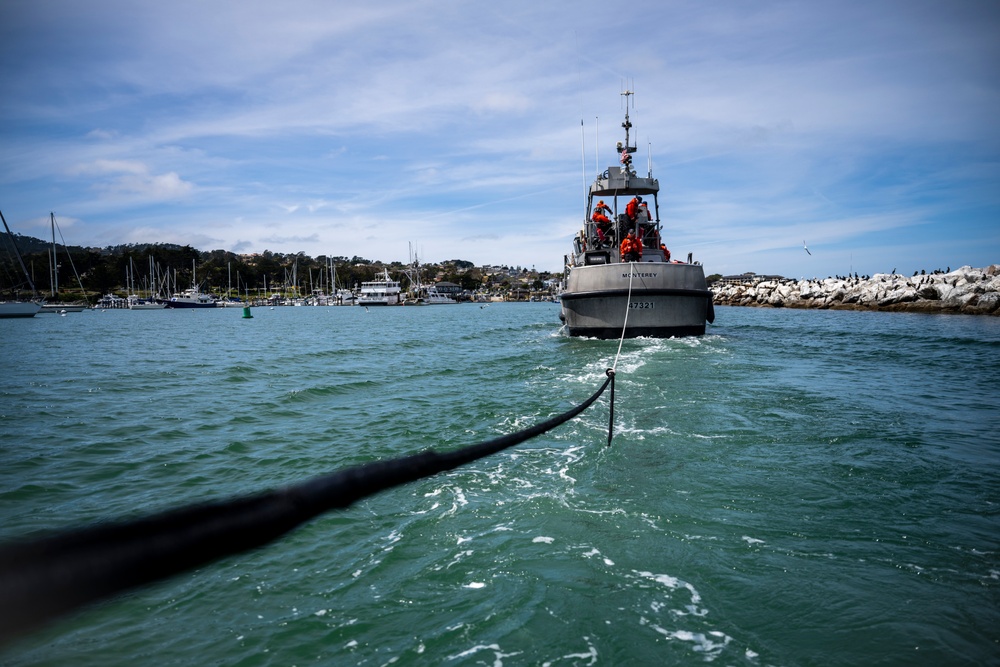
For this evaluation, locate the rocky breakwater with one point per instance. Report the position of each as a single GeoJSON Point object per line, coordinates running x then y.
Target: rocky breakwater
{"type": "Point", "coordinates": [965, 290]}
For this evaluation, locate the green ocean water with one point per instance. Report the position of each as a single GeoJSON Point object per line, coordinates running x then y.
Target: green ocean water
{"type": "Point", "coordinates": [794, 488]}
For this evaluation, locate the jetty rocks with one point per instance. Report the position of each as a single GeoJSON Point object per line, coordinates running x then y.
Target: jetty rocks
{"type": "Point", "coordinates": [965, 290]}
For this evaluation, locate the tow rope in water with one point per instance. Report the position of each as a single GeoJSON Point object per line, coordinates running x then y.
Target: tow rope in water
{"type": "Point", "coordinates": [611, 371]}
{"type": "Point", "coordinates": [45, 578]}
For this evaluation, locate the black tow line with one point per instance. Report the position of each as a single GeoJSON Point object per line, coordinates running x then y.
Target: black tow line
{"type": "Point", "coordinates": [44, 578]}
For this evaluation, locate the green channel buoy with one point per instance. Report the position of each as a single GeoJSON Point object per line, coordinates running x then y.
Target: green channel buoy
{"type": "Point", "coordinates": [246, 313]}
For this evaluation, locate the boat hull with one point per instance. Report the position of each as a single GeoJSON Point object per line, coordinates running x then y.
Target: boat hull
{"type": "Point", "coordinates": [191, 304]}
{"type": "Point", "coordinates": [665, 300]}
{"type": "Point", "coordinates": [380, 302]}
{"type": "Point", "coordinates": [62, 308]}
{"type": "Point", "coordinates": [19, 309]}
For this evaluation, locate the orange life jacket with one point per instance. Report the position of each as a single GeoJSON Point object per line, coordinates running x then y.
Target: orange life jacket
{"type": "Point", "coordinates": [631, 244]}
{"type": "Point", "coordinates": [632, 210]}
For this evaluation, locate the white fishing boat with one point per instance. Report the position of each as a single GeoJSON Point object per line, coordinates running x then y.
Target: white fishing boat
{"type": "Point", "coordinates": [382, 292]}
{"type": "Point", "coordinates": [619, 279]}
{"type": "Point", "coordinates": [433, 297]}
{"type": "Point", "coordinates": [192, 297]}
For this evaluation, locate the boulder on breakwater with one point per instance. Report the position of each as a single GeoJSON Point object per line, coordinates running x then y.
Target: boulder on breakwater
{"type": "Point", "coordinates": [965, 290]}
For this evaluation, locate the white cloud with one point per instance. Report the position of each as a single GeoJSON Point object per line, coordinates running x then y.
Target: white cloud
{"type": "Point", "coordinates": [132, 179]}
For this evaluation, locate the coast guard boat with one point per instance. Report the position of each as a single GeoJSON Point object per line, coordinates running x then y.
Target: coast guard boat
{"type": "Point", "coordinates": [619, 279]}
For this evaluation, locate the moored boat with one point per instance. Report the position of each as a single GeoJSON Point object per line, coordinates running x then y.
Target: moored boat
{"type": "Point", "coordinates": [63, 308]}
{"type": "Point", "coordinates": [382, 292]}
{"type": "Point", "coordinates": [433, 297]}
{"type": "Point", "coordinates": [619, 279]}
{"type": "Point", "coordinates": [18, 307]}
{"type": "Point", "coordinates": [192, 297]}
{"type": "Point", "coordinates": [135, 302]}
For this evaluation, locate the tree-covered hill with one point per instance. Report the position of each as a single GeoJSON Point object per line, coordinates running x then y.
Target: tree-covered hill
{"type": "Point", "coordinates": [168, 267]}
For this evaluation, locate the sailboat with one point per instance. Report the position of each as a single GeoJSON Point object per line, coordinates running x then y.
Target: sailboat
{"type": "Point", "coordinates": [20, 307]}
{"type": "Point", "coordinates": [54, 277]}
{"type": "Point", "coordinates": [136, 302]}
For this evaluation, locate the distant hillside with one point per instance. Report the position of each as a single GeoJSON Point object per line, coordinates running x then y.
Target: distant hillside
{"type": "Point", "coordinates": [29, 245]}
{"type": "Point", "coordinates": [104, 270]}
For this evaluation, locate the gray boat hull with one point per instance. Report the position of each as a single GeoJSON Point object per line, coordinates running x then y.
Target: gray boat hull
{"type": "Point", "coordinates": [665, 300]}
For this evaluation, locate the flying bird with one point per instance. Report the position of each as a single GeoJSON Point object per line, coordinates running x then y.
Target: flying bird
{"type": "Point", "coordinates": [805, 247]}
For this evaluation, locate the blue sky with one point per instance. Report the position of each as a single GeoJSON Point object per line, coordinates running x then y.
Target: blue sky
{"type": "Point", "coordinates": [869, 130]}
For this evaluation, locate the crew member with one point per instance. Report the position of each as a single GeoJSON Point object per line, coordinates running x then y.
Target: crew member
{"type": "Point", "coordinates": [632, 209]}
{"type": "Point", "coordinates": [600, 217]}
{"type": "Point", "coordinates": [631, 248]}
{"type": "Point", "coordinates": [666, 253]}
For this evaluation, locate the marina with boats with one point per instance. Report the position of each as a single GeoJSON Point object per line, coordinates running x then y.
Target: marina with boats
{"type": "Point", "coordinates": [407, 285]}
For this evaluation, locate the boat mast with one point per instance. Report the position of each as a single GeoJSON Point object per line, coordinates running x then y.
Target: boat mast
{"type": "Point", "coordinates": [54, 282]}
{"type": "Point", "coordinates": [69, 255]}
{"type": "Point", "coordinates": [20, 260]}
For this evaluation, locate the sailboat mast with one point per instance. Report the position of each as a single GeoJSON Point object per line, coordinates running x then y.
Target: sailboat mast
{"type": "Point", "coordinates": [20, 260]}
{"type": "Point", "coordinates": [54, 283]}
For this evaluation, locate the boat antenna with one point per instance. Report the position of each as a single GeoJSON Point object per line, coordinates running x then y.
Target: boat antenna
{"type": "Point", "coordinates": [628, 124]}
{"type": "Point", "coordinates": [583, 158]}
